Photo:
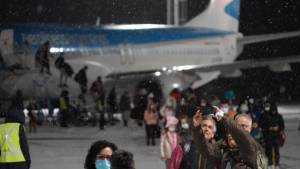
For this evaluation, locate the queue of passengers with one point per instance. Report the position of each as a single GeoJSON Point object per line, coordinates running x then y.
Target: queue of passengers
{"type": "Point", "coordinates": [194, 133]}
{"type": "Point", "coordinates": [221, 135]}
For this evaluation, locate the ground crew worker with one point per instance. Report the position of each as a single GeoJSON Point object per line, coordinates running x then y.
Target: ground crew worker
{"type": "Point", "coordinates": [14, 151]}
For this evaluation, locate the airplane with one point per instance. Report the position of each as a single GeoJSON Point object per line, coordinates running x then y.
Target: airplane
{"type": "Point", "coordinates": [192, 54]}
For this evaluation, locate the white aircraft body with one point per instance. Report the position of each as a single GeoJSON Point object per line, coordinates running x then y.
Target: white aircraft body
{"type": "Point", "coordinates": [188, 55]}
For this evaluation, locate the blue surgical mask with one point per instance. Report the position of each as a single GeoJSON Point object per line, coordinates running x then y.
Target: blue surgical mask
{"type": "Point", "coordinates": [102, 164]}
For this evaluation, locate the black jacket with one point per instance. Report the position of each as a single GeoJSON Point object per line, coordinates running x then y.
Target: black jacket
{"type": "Point", "coordinates": [243, 157]}
{"type": "Point", "coordinates": [124, 103]}
{"type": "Point", "coordinates": [273, 120]}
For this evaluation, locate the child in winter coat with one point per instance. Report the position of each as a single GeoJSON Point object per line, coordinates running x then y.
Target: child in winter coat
{"type": "Point", "coordinates": [168, 140]}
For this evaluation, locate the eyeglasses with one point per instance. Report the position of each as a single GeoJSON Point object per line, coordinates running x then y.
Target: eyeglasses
{"type": "Point", "coordinates": [103, 156]}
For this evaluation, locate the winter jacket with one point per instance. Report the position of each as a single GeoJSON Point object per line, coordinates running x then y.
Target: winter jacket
{"type": "Point", "coordinates": [124, 103]}
{"type": "Point", "coordinates": [204, 150]}
{"type": "Point", "coordinates": [189, 160]}
{"type": "Point", "coordinates": [166, 146]}
{"type": "Point", "coordinates": [150, 118]}
{"type": "Point", "coordinates": [242, 157]}
{"type": "Point", "coordinates": [273, 120]}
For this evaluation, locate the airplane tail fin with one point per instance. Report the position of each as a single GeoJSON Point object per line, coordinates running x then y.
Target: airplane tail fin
{"type": "Point", "coordinates": [219, 14]}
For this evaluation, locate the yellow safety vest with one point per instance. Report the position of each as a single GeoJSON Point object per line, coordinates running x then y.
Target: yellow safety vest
{"type": "Point", "coordinates": [10, 143]}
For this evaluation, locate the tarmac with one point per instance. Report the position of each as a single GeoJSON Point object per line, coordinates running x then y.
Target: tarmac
{"type": "Point", "coordinates": [53, 147]}
{"type": "Point", "coordinates": [65, 148]}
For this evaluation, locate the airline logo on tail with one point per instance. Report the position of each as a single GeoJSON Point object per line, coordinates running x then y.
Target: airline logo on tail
{"type": "Point", "coordinates": [219, 15]}
{"type": "Point", "coordinates": [233, 9]}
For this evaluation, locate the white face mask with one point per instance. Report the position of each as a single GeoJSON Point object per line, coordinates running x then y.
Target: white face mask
{"type": "Point", "coordinates": [172, 128]}
{"type": "Point", "coordinates": [185, 126]}
{"type": "Point", "coordinates": [267, 108]}
{"type": "Point", "coordinates": [244, 108]}
{"type": "Point", "coordinates": [225, 110]}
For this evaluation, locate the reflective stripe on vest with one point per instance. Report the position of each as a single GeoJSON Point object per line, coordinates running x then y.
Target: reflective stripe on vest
{"type": "Point", "coordinates": [10, 143]}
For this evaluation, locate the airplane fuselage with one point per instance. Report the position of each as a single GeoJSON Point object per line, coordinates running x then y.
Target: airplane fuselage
{"type": "Point", "coordinates": [120, 50]}
{"type": "Point", "coordinates": [125, 50]}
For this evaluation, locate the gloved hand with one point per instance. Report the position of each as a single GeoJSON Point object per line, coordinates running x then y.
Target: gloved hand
{"type": "Point", "coordinates": [219, 114]}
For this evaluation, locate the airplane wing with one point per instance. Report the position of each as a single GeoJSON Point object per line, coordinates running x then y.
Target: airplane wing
{"type": "Point", "coordinates": [232, 68]}
{"type": "Point", "coordinates": [266, 37]}
{"type": "Point", "coordinates": [276, 64]}
{"type": "Point", "coordinates": [250, 63]}
{"type": "Point", "coordinates": [132, 73]}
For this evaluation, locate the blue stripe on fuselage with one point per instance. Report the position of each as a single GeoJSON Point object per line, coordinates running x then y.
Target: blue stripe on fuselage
{"type": "Point", "coordinates": [83, 36]}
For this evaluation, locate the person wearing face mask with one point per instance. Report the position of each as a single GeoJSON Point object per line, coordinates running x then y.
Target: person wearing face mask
{"type": "Point", "coordinates": [184, 124]}
{"type": "Point", "coordinates": [168, 139]}
{"type": "Point", "coordinates": [168, 109]}
{"type": "Point", "coordinates": [243, 107]}
{"type": "Point", "coordinates": [186, 144]}
{"type": "Point", "coordinates": [184, 155]}
{"type": "Point", "coordinates": [205, 107]}
{"type": "Point", "coordinates": [221, 132]}
{"type": "Point", "coordinates": [99, 155]}
{"type": "Point", "coordinates": [264, 116]}
{"type": "Point", "coordinates": [273, 125]}
{"type": "Point", "coordinates": [151, 120]}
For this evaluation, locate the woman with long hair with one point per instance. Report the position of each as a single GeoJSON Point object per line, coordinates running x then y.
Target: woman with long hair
{"type": "Point", "coordinates": [99, 155]}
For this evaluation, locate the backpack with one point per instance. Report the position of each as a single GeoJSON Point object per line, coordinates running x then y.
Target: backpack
{"type": "Point", "coordinates": [262, 161]}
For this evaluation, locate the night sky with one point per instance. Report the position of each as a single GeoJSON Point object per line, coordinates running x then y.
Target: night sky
{"type": "Point", "coordinates": [257, 17]}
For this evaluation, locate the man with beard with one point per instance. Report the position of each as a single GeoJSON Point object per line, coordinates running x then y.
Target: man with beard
{"type": "Point", "coordinates": [238, 150]}
{"type": "Point", "coordinates": [203, 136]}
